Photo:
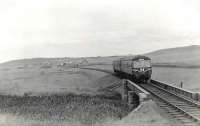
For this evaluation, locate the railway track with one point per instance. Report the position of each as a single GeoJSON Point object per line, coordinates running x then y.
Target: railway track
{"type": "Point", "coordinates": [114, 85]}
{"type": "Point", "coordinates": [180, 108]}
{"type": "Point", "coordinates": [111, 87]}
{"type": "Point", "coordinates": [101, 70]}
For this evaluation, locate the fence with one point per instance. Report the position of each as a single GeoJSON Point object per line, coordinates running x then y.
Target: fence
{"type": "Point", "coordinates": [178, 91]}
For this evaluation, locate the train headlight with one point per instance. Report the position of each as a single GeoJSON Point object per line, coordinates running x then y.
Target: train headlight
{"type": "Point", "coordinates": [141, 69]}
{"type": "Point", "coordinates": [137, 70]}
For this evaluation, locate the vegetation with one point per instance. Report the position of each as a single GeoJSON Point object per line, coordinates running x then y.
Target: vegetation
{"type": "Point", "coordinates": [85, 109]}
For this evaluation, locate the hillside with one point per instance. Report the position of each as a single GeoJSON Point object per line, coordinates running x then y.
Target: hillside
{"type": "Point", "coordinates": [180, 56]}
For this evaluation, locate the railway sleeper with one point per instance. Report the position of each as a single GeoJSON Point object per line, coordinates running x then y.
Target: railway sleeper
{"type": "Point", "coordinates": [179, 110]}
{"type": "Point", "coordinates": [186, 115]}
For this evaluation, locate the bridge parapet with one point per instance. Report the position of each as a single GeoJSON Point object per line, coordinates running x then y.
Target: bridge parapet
{"type": "Point", "coordinates": [134, 94]}
{"type": "Point", "coordinates": [178, 91]}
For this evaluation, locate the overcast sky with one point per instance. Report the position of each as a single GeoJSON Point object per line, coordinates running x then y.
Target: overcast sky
{"type": "Point", "coordinates": [71, 28]}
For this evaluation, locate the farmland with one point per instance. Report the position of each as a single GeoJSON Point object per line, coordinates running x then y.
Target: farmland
{"type": "Point", "coordinates": [52, 96]}
{"type": "Point", "coordinates": [174, 76]}
{"type": "Point", "coordinates": [85, 109]}
{"type": "Point", "coordinates": [44, 91]}
{"type": "Point", "coordinates": [66, 95]}
{"type": "Point", "coordinates": [47, 81]}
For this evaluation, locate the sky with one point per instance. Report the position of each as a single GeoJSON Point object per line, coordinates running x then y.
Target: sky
{"type": "Point", "coordinates": [79, 28]}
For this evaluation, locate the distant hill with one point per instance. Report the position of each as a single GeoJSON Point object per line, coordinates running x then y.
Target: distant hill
{"type": "Point", "coordinates": [188, 56]}
{"type": "Point", "coordinates": [180, 56]}
{"type": "Point", "coordinates": [60, 60]}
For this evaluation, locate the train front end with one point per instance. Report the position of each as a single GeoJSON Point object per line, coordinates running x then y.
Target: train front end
{"type": "Point", "coordinates": [142, 70]}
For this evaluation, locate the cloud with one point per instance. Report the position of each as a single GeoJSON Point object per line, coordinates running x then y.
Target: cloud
{"type": "Point", "coordinates": [94, 27]}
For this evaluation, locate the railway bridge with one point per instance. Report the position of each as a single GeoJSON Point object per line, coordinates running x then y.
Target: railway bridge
{"type": "Point", "coordinates": [181, 104]}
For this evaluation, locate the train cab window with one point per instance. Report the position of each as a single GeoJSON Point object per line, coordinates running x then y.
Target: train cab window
{"type": "Point", "coordinates": [136, 64]}
{"type": "Point", "coordinates": [141, 63]}
{"type": "Point", "coordinates": [147, 63]}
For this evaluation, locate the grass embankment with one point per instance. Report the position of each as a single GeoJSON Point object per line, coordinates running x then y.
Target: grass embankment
{"type": "Point", "coordinates": [85, 109]}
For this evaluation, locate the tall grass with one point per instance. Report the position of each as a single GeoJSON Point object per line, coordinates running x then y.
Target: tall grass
{"type": "Point", "coordinates": [84, 109]}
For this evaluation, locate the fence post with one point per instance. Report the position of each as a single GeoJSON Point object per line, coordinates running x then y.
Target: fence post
{"type": "Point", "coordinates": [181, 84]}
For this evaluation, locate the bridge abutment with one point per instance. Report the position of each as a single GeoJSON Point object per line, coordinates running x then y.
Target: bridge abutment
{"type": "Point", "coordinates": [133, 94]}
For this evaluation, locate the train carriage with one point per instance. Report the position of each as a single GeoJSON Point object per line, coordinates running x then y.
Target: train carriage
{"type": "Point", "coordinates": [137, 67]}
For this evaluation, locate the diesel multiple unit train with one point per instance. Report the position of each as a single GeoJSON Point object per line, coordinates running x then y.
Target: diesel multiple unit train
{"type": "Point", "coordinates": [137, 67]}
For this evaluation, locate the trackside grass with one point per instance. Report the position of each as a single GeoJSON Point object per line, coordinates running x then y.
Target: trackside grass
{"type": "Point", "coordinates": [85, 109]}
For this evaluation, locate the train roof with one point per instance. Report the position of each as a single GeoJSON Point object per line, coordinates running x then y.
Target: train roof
{"type": "Point", "coordinates": [135, 58]}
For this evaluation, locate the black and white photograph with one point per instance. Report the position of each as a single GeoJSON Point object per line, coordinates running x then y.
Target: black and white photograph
{"type": "Point", "coordinates": [99, 63]}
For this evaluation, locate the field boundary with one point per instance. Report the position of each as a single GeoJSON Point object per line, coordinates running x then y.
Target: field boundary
{"type": "Point", "coordinates": [168, 65]}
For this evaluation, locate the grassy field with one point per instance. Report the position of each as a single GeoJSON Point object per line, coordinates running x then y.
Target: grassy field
{"type": "Point", "coordinates": [174, 76]}
{"type": "Point", "coordinates": [180, 56]}
{"type": "Point", "coordinates": [70, 109]}
{"type": "Point", "coordinates": [57, 96]}
{"type": "Point", "coordinates": [104, 67]}
{"type": "Point", "coordinates": [36, 81]}
{"type": "Point", "coordinates": [48, 95]}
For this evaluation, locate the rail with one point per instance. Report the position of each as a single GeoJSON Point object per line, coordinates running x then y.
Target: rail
{"type": "Point", "coordinates": [182, 104]}
{"type": "Point", "coordinates": [182, 109]}
{"type": "Point", "coordinates": [101, 70]}
{"type": "Point", "coordinates": [195, 97]}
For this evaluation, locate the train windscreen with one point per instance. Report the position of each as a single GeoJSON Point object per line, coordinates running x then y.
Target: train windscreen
{"type": "Point", "coordinates": [142, 63]}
